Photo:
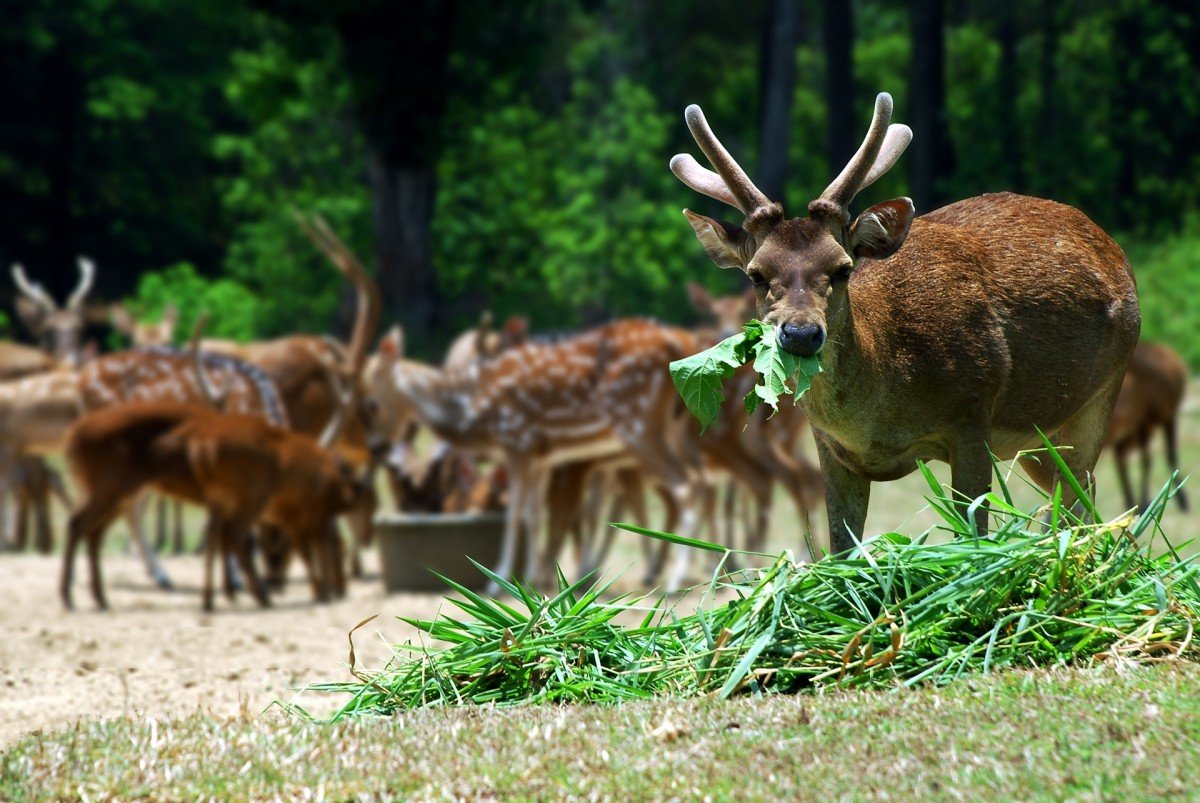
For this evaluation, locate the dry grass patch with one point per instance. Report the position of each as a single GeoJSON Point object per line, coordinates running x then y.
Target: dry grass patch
{"type": "Point", "coordinates": [1101, 733]}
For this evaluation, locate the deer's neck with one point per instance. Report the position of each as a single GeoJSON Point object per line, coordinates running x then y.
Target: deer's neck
{"type": "Point", "coordinates": [442, 399]}
{"type": "Point", "coordinates": [843, 360]}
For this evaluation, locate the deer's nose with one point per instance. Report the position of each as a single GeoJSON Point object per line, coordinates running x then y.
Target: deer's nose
{"type": "Point", "coordinates": [803, 341]}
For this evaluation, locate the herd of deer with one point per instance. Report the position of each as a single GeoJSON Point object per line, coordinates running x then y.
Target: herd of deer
{"type": "Point", "coordinates": [954, 336]}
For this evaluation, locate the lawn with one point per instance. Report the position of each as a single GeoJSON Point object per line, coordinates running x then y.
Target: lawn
{"type": "Point", "coordinates": [1110, 732]}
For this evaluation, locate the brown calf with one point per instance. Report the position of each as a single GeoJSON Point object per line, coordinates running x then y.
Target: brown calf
{"type": "Point", "coordinates": [240, 467]}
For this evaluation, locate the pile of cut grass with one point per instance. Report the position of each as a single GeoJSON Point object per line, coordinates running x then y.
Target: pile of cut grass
{"type": "Point", "coordinates": [1047, 588]}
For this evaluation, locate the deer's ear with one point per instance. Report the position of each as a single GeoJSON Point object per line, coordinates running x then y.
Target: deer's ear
{"type": "Point", "coordinates": [698, 296]}
{"type": "Point", "coordinates": [31, 314]}
{"type": "Point", "coordinates": [392, 344]}
{"type": "Point", "coordinates": [727, 245]}
{"type": "Point", "coordinates": [880, 231]}
{"type": "Point", "coordinates": [121, 320]}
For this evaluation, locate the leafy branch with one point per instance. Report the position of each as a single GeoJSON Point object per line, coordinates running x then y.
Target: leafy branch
{"type": "Point", "coordinates": [699, 378]}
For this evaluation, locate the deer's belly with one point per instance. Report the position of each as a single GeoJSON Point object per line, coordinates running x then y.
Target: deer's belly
{"type": "Point", "coordinates": [882, 456]}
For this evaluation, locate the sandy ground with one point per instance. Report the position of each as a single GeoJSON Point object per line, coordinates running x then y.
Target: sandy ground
{"type": "Point", "coordinates": [155, 653]}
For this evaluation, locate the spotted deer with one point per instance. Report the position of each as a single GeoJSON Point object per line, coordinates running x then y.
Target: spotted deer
{"type": "Point", "coordinates": [1150, 399]}
{"type": "Point", "coordinates": [142, 333]}
{"type": "Point", "coordinates": [57, 329]}
{"type": "Point", "coordinates": [484, 342]}
{"type": "Point", "coordinates": [544, 405]}
{"type": "Point", "coordinates": [35, 413]}
{"type": "Point", "coordinates": [170, 374]}
{"type": "Point", "coordinates": [951, 336]}
{"type": "Point", "coordinates": [771, 443]}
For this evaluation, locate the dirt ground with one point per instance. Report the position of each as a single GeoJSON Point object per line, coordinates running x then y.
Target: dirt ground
{"type": "Point", "coordinates": [155, 653]}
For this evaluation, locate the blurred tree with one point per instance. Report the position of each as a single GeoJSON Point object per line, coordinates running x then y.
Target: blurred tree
{"type": "Point", "coordinates": [110, 108]}
{"type": "Point", "coordinates": [931, 156]}
{"type": "Point", "coordinates": [298, 147]}
{"type": "Point", "coordinates": [777, 90]}
{"type": "Point", "coordinates": [1008, 119]}
{"type": "Point", "coordinates": [837, 25]}
{"type": "Point", "coordinates": [1046, 147]}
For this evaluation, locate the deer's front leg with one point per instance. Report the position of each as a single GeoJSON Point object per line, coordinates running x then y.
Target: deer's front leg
{"type": "Point", "coordinates": [846, 498]}
{"type": "Point", "coordinates": [971, 477]}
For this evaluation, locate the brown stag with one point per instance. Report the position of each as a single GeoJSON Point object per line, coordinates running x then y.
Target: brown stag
{"type": "Point", "coordinates": [1150, 398]}
{"type": "Point", "coordinates": [943, 337]}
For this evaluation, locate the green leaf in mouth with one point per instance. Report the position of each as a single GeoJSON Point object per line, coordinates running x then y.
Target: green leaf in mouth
{"type": "Point", "coordinates": [699, 378]}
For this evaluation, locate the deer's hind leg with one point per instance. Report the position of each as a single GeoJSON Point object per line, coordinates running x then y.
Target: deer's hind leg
{"type": "Point", "coordinates": [1079, 442]}
{"type": "Point", "coordinates": [88, 523]}
{"type": "Point", "coordinates": [1169, 435]}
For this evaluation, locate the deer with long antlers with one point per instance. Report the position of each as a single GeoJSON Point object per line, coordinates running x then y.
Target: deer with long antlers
{"type": "Point", "coordinates": [57, 329]}
{"type": "Point", "coordinates": [299, 364]}
{"type": "Point", "coordinates": [952, 336]}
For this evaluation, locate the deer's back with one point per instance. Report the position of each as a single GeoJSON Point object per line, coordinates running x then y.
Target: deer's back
{"type": "Point", "coordinates": [1000, 312]}
{"type": "Point", "coordinates": [123, 446]}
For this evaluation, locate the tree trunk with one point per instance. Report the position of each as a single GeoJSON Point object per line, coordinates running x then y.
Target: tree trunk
{"type": "Point", "coordinates": [1128, 51]}
{"type": "Point", "coordinates": [932, 160]}
{"type": "Point", "coordinates": [777, 84]}
{"type": "Point", "coordinates": [402, 210]}
{"type": "Point", "coordinates": [1047, 127]}
{"type": "Point", "coordinates": [838, 29]}
{"type": "Point", "coordinates": [1008, 122]}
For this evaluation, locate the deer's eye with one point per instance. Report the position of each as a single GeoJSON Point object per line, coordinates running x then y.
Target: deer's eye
{"type": "Point", "coordinates": [841, 274]}
{"type": "Point", "coordinates": [757, 279]}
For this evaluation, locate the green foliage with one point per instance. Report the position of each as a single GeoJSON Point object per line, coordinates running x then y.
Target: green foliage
{"type": "Point", "coordinates": [232, 307]}
{"type": "Point", "coordinates": [1168, 277]}
{"type": "Point", "coordinates": [699, 378]}
{"type": "Point", "coordinates": [300, 150]}
{"type": "Point", "coordinates": [147, 133]}
{"type": "Point", "coordinates": [572, 209]}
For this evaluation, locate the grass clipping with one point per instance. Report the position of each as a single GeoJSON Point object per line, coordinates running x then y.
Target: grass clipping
{"type": "Point", "coordinates": [699, 378]}
{"type": "Point", "coordinates": [1038, 591]}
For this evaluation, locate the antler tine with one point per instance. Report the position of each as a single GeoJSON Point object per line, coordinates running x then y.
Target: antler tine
{"type": "Point", "coordinates": [894, 143]}
{"type": "Point", "coordinates": [859, 171]}
{"type": "Point", "coordinates": [747, 196]}
{"type": "Point", "coordinates": [215, 398]}
{"type": "Point", "coordinates": [701, 179]}
{"type": "Point", "coordinates": [32, 290]}
{"type": "Point", "coordinates": [87, 275]}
